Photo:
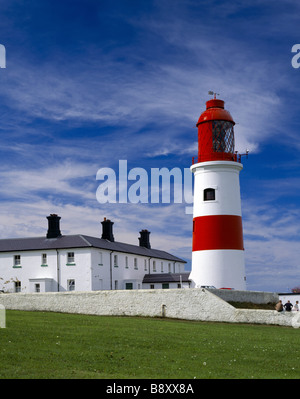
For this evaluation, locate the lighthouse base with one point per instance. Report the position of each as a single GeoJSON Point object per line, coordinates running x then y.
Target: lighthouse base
{"type": "Point", "coordinates": [218, 268]}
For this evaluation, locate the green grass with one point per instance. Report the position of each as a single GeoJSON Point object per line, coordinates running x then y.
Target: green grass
{"type": "Point", "coordinates": [54, 345]}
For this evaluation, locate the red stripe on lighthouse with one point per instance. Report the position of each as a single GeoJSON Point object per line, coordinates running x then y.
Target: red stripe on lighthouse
{"type": "Point", "coordinates": [217, 232]}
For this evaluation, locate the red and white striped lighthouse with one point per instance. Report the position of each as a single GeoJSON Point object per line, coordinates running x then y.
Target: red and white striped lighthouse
{"type": "Point", "coordinates": [218, 249]}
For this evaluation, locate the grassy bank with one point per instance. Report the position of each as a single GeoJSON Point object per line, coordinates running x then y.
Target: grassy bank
{"type": "Point", "coordinates": [52, 345]}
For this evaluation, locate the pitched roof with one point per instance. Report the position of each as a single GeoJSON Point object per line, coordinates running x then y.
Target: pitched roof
{"type": "Point", "coordinates": [166, 278]}
{"type": "Point", "coordinates": [80, 241]}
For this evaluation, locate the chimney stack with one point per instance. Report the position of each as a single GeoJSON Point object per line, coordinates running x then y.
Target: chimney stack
{"type": "Point", "coordinates": [144, 239]}
{"type": "Point", "coordinates": [107, 230]}
{"type": "Point", "coordinates": [53, 226]}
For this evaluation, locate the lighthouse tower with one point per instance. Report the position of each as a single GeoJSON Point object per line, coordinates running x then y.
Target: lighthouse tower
{"type": "Point", "coordinates": [218, 250]}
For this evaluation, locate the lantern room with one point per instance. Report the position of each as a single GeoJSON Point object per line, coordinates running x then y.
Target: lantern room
{"type": "Point", "coordinates": [215, 133]}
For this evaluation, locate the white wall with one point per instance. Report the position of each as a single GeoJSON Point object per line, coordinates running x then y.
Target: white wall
{"type": "Point", "coordinates": [56, 269]}
{"type": "Point", "coordinates": [223, 176]}
{"type": "Point", "coordinates": [192, 304]}
{"type": "Point", "coordinates": [30, 267]}
{"type": "Point", "coordinates": [222, 267]}
{"type": "Point", "coordinates": [171, 286]}
{"type": "Point", "coordinates": [92, 269]}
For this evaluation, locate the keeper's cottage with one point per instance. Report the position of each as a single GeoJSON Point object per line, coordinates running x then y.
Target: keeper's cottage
{"type": "Point", "coordinates": [59, 262]}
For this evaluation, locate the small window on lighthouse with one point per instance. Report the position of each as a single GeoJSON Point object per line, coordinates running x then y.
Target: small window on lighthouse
{"type": "Point", "coordinates": [209, 194]}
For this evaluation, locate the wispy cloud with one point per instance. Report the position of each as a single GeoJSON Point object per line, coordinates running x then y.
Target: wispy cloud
{"type": "Point", "coordinates": [111, 82]}
{"type": "Point", "coordinates": [166, 95]}
{"type": "Point", "coordinates": [272, 250]}
{"type": "Point", "coordinates": [53, 181]}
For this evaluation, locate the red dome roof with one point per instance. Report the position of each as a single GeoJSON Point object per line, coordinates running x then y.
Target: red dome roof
{"type": "Point", "coordinates": [215, 111]}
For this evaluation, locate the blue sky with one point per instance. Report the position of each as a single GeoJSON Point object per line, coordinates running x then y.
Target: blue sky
{"type": "Point", "coordinates": [89, 83]}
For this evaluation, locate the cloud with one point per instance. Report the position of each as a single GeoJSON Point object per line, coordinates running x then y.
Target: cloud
{"type": "Point", "coordinates": [27, 219]}
{"type": "Point", "coordinates": [272, 243]}
{"type": "Point", "coordinates": [76, 97]}
{"type": "Point", "coordinates": [131, 89]}
{"type": "Point", "coordinates": [58, 181]}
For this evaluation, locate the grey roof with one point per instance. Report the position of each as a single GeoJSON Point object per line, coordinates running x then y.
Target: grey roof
{"type": "Point", "coordinates": [80, 241]}
{"type": "Point", "coordinates": [166, 278]}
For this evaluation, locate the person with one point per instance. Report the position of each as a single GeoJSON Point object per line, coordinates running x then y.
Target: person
{"type": "Point", "coordinates": [279, 306]}
{"type": "Point", "coordinates": [288, 306]}
{"type": "Point", "coordinates": [296, 306]}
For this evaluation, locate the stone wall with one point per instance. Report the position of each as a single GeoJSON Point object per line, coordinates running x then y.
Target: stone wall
{"type": "Point", "coordinates": [258, 297]}
{"type": "Point", "coordinates": [188, 304]}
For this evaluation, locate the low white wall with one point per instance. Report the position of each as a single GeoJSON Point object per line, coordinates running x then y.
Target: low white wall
{"type": "Point", "coordinates": [192, 304]}
{"type": "Point", "coordinates": [246, 296]}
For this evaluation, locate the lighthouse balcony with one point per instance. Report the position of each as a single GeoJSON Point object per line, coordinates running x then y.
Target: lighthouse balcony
{"type": "Point", "coordinates": [218, 156]}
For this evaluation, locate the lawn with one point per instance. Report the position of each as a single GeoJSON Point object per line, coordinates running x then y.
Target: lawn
{"type": "Point", "coordinates": [54, 345]}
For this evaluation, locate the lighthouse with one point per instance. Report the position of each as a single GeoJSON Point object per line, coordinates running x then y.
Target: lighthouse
{"type": "Point", "coordinates": [218, 249]}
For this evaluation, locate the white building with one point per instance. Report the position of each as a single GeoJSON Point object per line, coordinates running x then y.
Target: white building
{"type": "Point", "coordinates": [59, 262]}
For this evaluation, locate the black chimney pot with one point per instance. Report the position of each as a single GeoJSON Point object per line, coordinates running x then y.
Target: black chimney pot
{"type": "Point", "coordinates": [144, 239]}
{"type": "Point", "coordinates": [107, 230]}
{"type": "Point", "coordinates": [53, 226]}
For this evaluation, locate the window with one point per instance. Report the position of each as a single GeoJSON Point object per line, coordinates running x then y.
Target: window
{"type": "Point", "coordinates": [151, 286]}
{"type": "Point", "coordinates": [71, 258]}
{"type": "Point", "coordinates": [115, 260]}
{"type": "Point", "coordinates": [116, 284]}
{"type": "Point", "coordinates": [71, 285]}
{"type": "Point", "coordinates": [129, 286]}
{"type": "Point", "coordinates": [135, 263]}
{"type": "Point", "coordinates": [17, 261]}
{"type": "Point", "coordinates": [44, 259]}
{"type": "Point", "coordinates": [165, 285]}
{"type": "Point", "coordinates": [223, 136]}
{"type": "Point", "coordinates": [100, 259]}
{"type": "Point", "coordinates": [145, 265]}
{"type": "Point", "coordinates": [126, 262]}
{"type": "Point", "coordinates": [209, 194]}
{"type": "Point", "coordinates": [154, 266]}
{"type": "Point", "coordinates": [37, 288]}
{"type": "Point", "coordinates": [162, 266]}
{"type": "Point", "coordinates": [17, 286]}
{"type": "Point", "coordinates": [169, 267]}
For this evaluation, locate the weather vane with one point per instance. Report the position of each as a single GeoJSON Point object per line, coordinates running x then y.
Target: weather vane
{"type": "Point", "coordinates": [211, 93]}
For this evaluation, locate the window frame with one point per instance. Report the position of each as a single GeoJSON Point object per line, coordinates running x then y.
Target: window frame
{"type": "Point", "coordinates": [44, 259]}
{"type": "Point", "coordinates": [17, 261]}
{"type": "Point", "coordinates": [116, 261]}
{"type": "Point", "coordinates": [70, 259]}
{"type": "Point", "coordinates": [18, 286]}
{"type": "Point", "coordinates": [100, 259]}
{"type": "Point", "coordinates": [71, 284]}
{"type": "Point", "coordinates": [129, 286]}
{"type": "Point", "coordinates": [207, 194]}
